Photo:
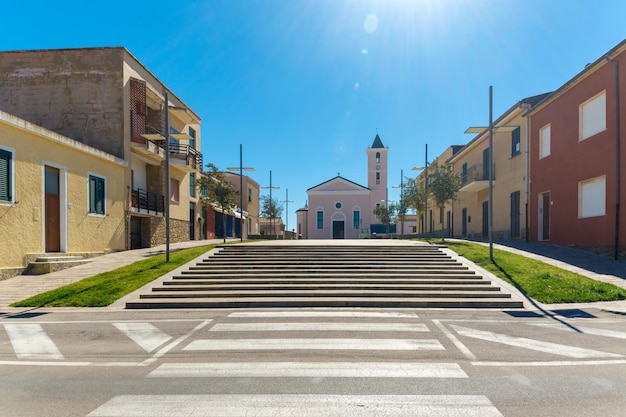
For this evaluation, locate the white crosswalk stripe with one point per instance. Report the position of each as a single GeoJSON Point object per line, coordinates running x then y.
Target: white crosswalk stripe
{"type": "Point", "coordinates": [144, 334]}
{"type": "Point", "coordinates": [297, 405]}
{"type": "Point", "coordinates": [309, 370]}
{"type": "Point", "coordinates": [315, 344]}
{"type": "Point", "coordinates": [328, 327]}
{"type": "Point", "coordinates": [30, 341]}
{"type": "Point", "coordinates": [331, 314]}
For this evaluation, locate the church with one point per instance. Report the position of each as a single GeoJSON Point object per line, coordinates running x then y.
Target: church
{"type": "Point", "coordinates": [342, 209]}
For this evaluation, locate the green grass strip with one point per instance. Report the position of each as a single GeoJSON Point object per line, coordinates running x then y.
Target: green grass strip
{"type": "Point", "coordinates": [541, 281]}
{"type": "Point", "coordinates": [104, 289]}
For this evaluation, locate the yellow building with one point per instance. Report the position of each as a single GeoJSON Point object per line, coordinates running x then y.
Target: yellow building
{"type": "Point", "coordinates": [57, 195]}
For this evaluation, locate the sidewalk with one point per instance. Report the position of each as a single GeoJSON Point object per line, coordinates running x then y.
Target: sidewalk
{"type": "Point", "coordinates": [24, 286]}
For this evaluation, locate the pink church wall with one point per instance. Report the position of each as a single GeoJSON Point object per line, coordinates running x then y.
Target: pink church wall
{"type": "Point", "coordinates": [350, 201]}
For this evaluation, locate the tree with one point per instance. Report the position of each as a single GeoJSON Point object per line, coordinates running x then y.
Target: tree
{"type": "Point", "coordinates": [443, 186]}
{"type": "Point", "coordinates": [414, 197]}
{"type": "Point", "coordinates": [385, 214]}
{"type": "Point", "coordinates": [216, 191]}
{"type": "Point", "coordinates": [271, 209]}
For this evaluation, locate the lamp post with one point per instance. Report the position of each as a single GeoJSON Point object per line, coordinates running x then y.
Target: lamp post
{"type": "Point", "coordinates": [617, 156]}
{"type": "Point", "coordinates": [287, 201]}
{"type": "Point", "coordinates": [402, 205]}
{"type": "Point", "coordinates": [271, 202]}
{"type": "Point", "coordinates": [241, 169]}
{"type": "Point", "coordinates": [425, 168]}
{"type": "Point", "coordinates": [490, 128]}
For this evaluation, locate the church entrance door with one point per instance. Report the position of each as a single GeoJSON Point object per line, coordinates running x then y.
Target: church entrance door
{"type": "Point", "coordinates": [338, 229]}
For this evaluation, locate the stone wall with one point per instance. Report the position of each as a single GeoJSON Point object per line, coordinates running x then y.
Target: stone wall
{"type": "Point", "coordinates": [154, 233]}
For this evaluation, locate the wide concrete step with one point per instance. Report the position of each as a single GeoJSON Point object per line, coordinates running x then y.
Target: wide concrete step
{"type": "Point", "coordinates": [332, 262]}
{"type": "Point", "coordinates": [303, 302]}
{"type": "Point", "coordinates": [441, 280]}
{"type": "Point", "coordinates": [315, 287]}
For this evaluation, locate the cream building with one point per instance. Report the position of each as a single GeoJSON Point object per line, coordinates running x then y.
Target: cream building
{"type": "Point", "coordinates": [56, 195]}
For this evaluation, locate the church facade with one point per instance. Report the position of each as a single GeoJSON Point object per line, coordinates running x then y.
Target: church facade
{"type": "Point", "coordinates": [342, 209]}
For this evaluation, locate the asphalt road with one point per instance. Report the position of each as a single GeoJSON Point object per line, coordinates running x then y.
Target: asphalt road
{"type": "Point", "coordinates": [312, 362]}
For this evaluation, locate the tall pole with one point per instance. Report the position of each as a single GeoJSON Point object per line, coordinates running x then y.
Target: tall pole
{"type": "Point", "coordinates": [402, 203]}
{"type": "Point", "coordinates": [617, 157]}
{"type": "Point", "coordinates": [241, 189]}
{"type": "Point", "coordinates": [167, 178]}
{"type": "Point", "coordinates": [490, 173]}
{"type": "Point", "coordinates": [426, 191]}
{"type": "Point", "coordinates": [271, 205]}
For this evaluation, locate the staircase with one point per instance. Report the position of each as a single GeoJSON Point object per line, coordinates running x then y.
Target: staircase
{"type": "Point", "coordinates": [364, 275]}
{"type": "Point", "coordinates": [45, 264]}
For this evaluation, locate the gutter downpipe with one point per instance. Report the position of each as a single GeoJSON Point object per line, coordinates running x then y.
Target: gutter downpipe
{"type": "Point", "coordinates": [526, 106]}
{"type": "Point", "coordinates": [617, 157]}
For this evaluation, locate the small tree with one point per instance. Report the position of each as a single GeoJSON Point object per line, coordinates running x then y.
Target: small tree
{"type": "Point", "coordinates": [414, 197]}
{"type": "Point", "coordinates": [270, 208]}
{"type": "Point", "coordinates": [385, 214]}
{"type": "Point", "coordinates": [443, 186]}
{"type": "Point", "coordinates": [216, 191]}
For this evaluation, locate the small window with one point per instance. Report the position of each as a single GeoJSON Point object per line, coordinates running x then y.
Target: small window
{"type": "Point", "coordinates": [377, 157]}
{"type": "Point", "coordinates": [192, 134]}
{"type": "Point", "coordinates": [592, 116]}
{"type": "Point", "coordinates": [6, 176]}
{"type": "Point", "coordinates": [592, 197]}
{"type": "Point", "coordinates": [378, 178]}
{"type": "Point", "coordinates": [320, 219]}
{"type": "Point", "coordinates": [544, 141]}
{"type": "Point", "coordinates": [516, 145]}
{"type": "Point", "coordinates": [249, 195]}
{"type": "Point", "coordinates": [464, 173]}
{"type": "Point", "coordinates": [338, 205]}
{"type": "Point", "coordinates": [96, 195]}
{"type": "Point", "coordinates": [356, 219]}
{"type": "Point", "coordinates": [192, 184]}
{"type": "Point", "coordinates": [174, 190]}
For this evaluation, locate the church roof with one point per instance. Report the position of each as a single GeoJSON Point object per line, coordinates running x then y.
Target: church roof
{"type": "Point", "coordinates": [339, 177]}
{"type": "Point", "coordinates": [377, 142]}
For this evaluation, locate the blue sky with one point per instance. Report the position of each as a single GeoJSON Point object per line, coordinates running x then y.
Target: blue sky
{"type": "Point", "coordinates": [305, 85]}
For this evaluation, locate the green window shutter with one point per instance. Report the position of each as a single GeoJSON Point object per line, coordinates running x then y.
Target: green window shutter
{"type": "Point", "coordinates": [96, 195]}
{"type": "Point", "coordinates": [5, 176]}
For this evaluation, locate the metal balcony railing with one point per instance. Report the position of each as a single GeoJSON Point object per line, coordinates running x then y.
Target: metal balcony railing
{"type": "Point", "coordinates": [476, 173]}
{"type": "Point", "coordinates": [147, 202]}
{"type": "Point", "coordinates": [191, 156]}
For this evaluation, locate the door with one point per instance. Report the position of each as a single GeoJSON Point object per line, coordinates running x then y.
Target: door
{"type": "Point", "coordinates": [515, 214]}
{"type": "Point", "coordinates": [192, 221]}
{"type": "Point", "coordinates": [135, 232]}
{"type": "Point", "coordinates": [338, 229]}
{"type": "Point", "coordinates": [485, 219]}
{"type": "Point", "coordinates": [544, 217]}
{"type": "Point", "coordinates": [52, 210]}
{"type": "Point", "coordinates": [464, 222]}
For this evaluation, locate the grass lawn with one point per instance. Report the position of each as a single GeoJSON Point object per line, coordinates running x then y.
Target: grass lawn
{"type": "Point", "coordinates": [105, 288]}
{"type": "Point", "coordinates": [540, 281]}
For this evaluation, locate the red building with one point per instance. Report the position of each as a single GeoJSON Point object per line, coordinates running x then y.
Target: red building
{"type": "Point", "coordinates": [575, 155]}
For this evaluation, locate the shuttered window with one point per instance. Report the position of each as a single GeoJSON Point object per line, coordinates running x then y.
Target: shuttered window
{"type": "Point", "coordinates": [6, 193]}
{"type": "Point", "coordinates": [96, 195]}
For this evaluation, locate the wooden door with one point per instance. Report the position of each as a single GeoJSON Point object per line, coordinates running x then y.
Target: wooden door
{"type": "Point", "coordinates": [52, 210]}
{"type": "Point", "coordinates": [546, 215]}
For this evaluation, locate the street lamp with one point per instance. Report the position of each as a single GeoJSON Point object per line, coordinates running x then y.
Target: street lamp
{"type": "Point", "coordinates": [240, 169]}
{"type": "Point", "coordinates": [425, 168]}
{"type": "Point", "coordinates": [491, 128]}
{"type": "Point", "coordinates": [402, 205]}
{"type": "Point", "coordinates": [271, 202]}
{"type": "Point", "coordinates": [287, 201]}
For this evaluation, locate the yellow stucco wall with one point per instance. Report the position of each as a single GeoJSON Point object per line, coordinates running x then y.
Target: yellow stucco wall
{"type": "Point", "coordinates": [21, 222]}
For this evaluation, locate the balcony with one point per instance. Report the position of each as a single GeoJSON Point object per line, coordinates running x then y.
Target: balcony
{"type": "Point", "coordinates": [185, 157]}
{"type": "Point", "coordinates": [145, 202]}
{"type": "Point", "coordinates": [476, 178]}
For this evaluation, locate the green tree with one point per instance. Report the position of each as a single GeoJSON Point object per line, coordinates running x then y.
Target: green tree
{"type": "Point", "coordinates": [216, 191]}
{"type": "Point", "coordinates": [414, 197]}
{"type": "Point", "coordinates": [385, 214]}
{"type": "Point", "coordinates": [271, 209]}
{"type": "Point", "coordinates": [443, 186]}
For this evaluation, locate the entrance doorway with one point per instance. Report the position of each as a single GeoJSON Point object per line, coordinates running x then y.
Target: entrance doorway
{"type": "Point", "coordinates": [485, 219]}
{"type": "Point", "coordinates": [544, 217]}
{"type": "Point", "coordinates": [52, 209]}
{"type": "Point", "coordinates": [339, 229]}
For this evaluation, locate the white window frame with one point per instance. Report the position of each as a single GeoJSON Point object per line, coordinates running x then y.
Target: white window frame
{"type": "Point", "coordinates": [592, 197]}
{"type": "Point", "coordinates": [11, 184]}
{"type": "Point", "coordinates": [592, 116]}
{"type": "Point", "coordinates": [545, 141]}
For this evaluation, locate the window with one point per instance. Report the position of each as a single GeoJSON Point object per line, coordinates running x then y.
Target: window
{"type": "Point", "coordinates": [320, 219]}
{"type": "Point", "coordinates": [464, 173]}
{"type": "Point", "coordinates": [378, 178]}
{"type": "Point", "coordinates": [544, 141]}
{"type": "Point", "coordinates": [377, 157]}
{"type": "Point", "coordinates": [192, 184]}
{"type": "Point", "coordinates": [516, 146]}
{"type": "Point", "coordinates": [96, 195]}
{"type": "Point", "coordinates": [174, 190]}
{"type": "Point", "coordinates": [592, 197]}
{"type": "Point", "coordinates": [592, 116]}
{"type": "Point", "coordinates": [338, 205]}
{"type": "Point", "coordinates": [356, 219]}
{"type": "Point", "coordinates": [192, 134]}
{"type": "Point", "coordinates": [249, 195]}
{"type": "Point", "coordinates": [6, 177]}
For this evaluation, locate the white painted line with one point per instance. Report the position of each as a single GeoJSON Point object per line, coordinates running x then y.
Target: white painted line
{"type": "Point", "coordinates": [608, 362]}
{"type": "Point", "coordinates": [586, 330]}
{"type": "Point", "coordinates": [315, 344]}
{"type": "Point", "coordinates": [308, 370]}
{"type": "Point", "coordinates": [459, 345]}
{"type": "Point", "coordinates": [72, 364]}
{"type": "Point", "coordinates": [30, 341]}
{"type": "Point", "coordinates": [175, 343]}
{"type": "Point", "coordinates": [297, 405]}
{"type": "Point", "coordinates": [547, 347]}
{"type": "Point", "coordinates": [144, 334]}
{"type": "Point", "coordinates": [319, 327]}
{"type": "Point", "coordinates": [357, 314]}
